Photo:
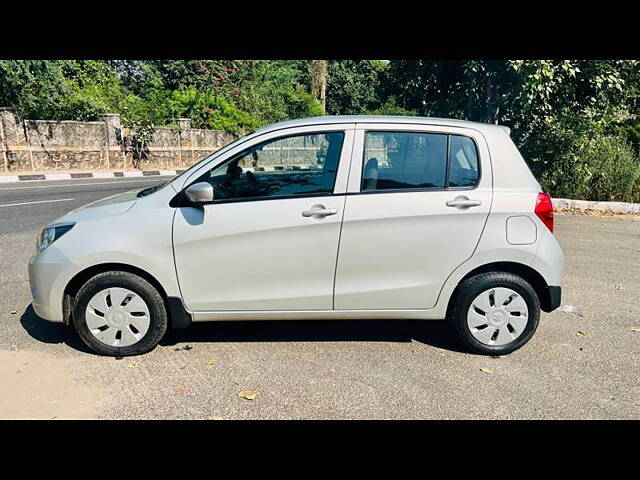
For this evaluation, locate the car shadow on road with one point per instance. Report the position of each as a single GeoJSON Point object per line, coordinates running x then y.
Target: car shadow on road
{"type": "Point", "coordinates": [51, 332]}
{"type": "Point", "coordinates": [434, 333]}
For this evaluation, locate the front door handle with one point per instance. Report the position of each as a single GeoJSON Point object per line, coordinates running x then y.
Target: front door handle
{"type": "Point", "coordinates": [463, 202]}
{"type": "Point", "coordinates": [318, 211]}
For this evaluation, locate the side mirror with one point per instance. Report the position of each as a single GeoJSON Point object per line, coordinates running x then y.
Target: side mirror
{"type": "Point", "coordinates": [201, 192]}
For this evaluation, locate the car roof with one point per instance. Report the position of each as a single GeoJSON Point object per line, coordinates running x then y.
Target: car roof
{"type": "Point", "coordinates": [329, 119]}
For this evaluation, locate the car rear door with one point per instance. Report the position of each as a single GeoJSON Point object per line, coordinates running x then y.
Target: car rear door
{"type": "Point", "coordinates": [415, 210]}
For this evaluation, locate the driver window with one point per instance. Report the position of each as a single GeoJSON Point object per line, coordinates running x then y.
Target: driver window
{"type": "Point", "coordinates": [296, 165]}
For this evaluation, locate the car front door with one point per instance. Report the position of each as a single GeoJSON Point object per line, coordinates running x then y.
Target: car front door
{"type": "Point", "coordinates": [418, 198]}
{"type": "Point", "coordinates": [269, 239]}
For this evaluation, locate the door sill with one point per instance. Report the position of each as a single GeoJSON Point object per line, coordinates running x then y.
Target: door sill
{"type": "Point", "coordinates": [227, 315]}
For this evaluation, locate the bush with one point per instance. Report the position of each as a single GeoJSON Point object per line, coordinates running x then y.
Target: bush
{"type": "Point", "coordinates": [206, 110]}
{"type": "Point", "coordinates": [603, 168]}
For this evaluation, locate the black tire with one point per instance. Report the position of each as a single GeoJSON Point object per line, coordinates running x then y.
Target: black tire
{"type": "Point", "coordinates": [155, 302]}
{"type": "Point", "coordinates": [470, 289]}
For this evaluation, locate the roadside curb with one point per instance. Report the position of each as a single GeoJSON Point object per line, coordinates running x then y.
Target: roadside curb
{"type": "Point", "coordinates": [617, 207]}
{"type": "Point", "coordinates": [72, 176]}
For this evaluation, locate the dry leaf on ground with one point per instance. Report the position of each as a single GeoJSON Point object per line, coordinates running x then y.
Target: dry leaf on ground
{"type": "Point", "coordinates": [210, 362]}
{"type": "Point", "coordinates": [486, 370]}
{"type": "Point", "coordinates": [247, 394]}
{"type": "Point", "coordinates": [186, 347]}
{"type": "Point", "coordinates": [133, 365]}
{"type": "Point", "coordinates": [582, 334]}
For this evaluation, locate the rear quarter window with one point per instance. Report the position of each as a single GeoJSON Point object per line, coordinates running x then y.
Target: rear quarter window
{"type": "Point", "coordinates": [463, 163]}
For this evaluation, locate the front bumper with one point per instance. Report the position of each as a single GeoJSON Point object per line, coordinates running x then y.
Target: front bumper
{"type": "Point", "coordinates": [47, 285]}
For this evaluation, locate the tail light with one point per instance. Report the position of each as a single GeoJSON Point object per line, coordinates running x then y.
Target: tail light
{"type": "Point", "coordinates": [544, 210]}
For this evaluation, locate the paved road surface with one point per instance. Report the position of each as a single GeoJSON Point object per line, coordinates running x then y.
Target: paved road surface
{"type": "Point", "coordinates": [582, 365]}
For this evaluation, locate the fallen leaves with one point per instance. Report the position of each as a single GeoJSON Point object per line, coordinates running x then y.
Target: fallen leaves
{"type": "Point", "coordinates": [180, 390]}
{"type": "Point", "coordinates": [486, 370]}
{"type": "Point", "coordinates": [248, 394]}
{"type": "Point", "coordinates": [185, 348]}
{"type": "Point", "coordinates": [134, 365]}
{"type": "Point", "coordinates": [210, 362]}
{"type": "Point", "coordinates": [582, 334]}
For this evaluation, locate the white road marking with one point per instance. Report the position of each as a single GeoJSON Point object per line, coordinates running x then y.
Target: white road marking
{"type": "Point", "coordinates": [77, 184]}
{"type": "Point", "coordinates": [39, 201]}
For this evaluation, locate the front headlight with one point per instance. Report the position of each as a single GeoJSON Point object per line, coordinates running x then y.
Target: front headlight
{"type": "Point", "coordinates": [50, 234]}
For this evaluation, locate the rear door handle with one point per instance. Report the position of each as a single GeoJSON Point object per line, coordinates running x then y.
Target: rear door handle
{"type": "Point", "coordinates": [319, 212]}
{"type": "Point", "coordinates": [463, 202]}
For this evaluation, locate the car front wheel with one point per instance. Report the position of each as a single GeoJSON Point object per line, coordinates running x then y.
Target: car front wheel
{"type": "Point", "coordinates": [119, 314]}
{"type": "Point", "coordinates": [494, 313]}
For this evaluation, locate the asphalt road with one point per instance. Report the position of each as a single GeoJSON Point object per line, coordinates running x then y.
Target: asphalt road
{"type": "Point", "coordinates": [578, 365]}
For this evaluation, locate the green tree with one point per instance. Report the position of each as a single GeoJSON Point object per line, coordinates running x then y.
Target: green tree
{"type": "Point", "coordinates": [318, 81]}
{"type": "Point", "coordinates": [353, 86]}
{"type": "Point", "coordinates": [206, 110]}
{"type": "Point", "coordinates": [271, 91]}
{"type": "Point", "coordinates": [32, 88]}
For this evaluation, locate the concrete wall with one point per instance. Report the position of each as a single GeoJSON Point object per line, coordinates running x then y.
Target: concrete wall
{"type": "Point", "coordinates": [46, 145]}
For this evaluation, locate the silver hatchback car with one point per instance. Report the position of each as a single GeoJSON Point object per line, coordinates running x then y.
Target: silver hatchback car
{"type": "Point", "coordinates": [347, 217]}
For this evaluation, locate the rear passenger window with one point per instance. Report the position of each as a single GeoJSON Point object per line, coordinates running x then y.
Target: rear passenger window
{"type": "Point", "coordinates": [403, 160]}
{"type": "Point", "coordinates": [463, 171]}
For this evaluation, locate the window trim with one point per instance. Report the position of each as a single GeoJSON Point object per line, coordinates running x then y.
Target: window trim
{"type": "Point", "coordinates": [427, 189]}
{"type": "Point", "coordinates": [180, 199]}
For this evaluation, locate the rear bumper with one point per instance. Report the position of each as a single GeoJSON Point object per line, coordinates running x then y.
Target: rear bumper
{"type": "Point", "coordinates": [554, 296]}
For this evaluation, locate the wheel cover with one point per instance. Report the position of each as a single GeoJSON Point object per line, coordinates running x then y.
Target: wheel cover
{"type": "Point", "coordinates": [497, 316]}
{"type": "Point", "coordinates": [117, 317]}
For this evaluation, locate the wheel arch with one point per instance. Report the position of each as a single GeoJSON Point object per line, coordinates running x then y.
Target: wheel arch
{"type": "Point", "coordinates": [535, 279]}
{"type": "Point", "coordinates": [179, 317]}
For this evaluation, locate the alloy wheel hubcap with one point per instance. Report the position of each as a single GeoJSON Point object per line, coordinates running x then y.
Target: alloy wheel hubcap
{"type": "Point", "coordinates": [118, 317]}
{"type": "Point", "coordinates": [497, 316]}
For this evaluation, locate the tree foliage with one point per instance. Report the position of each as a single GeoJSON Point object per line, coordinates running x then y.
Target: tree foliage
{"type": "Point", "coordinates": [577, 122]}
{"type": "Point", "coordinates": [353, 86]}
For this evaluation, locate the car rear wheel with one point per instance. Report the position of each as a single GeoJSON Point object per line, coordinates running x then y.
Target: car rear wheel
{"type": "Point", "coordinates": [494, 313]}
{"type": "Point", "coordinates": [119, 314]}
